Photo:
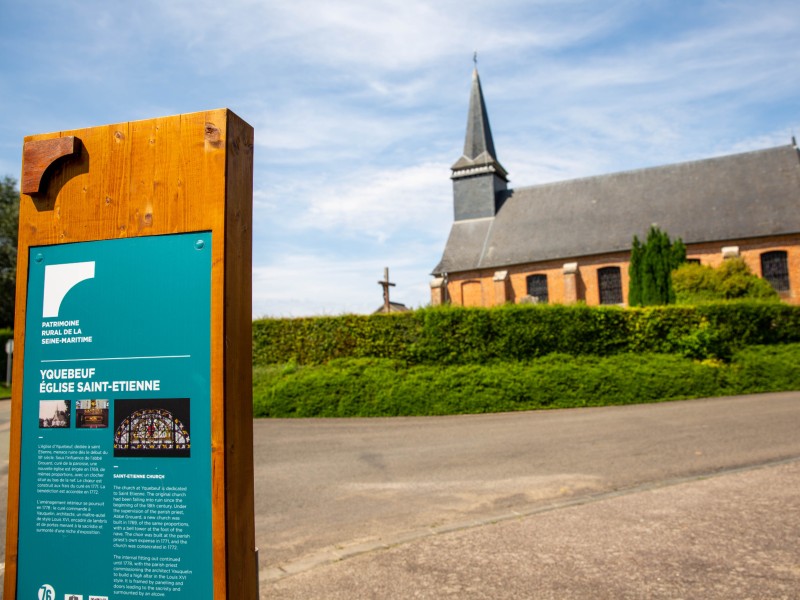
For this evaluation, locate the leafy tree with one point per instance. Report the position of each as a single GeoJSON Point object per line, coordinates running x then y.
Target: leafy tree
{"type": "Point", "coordinates": [651, 266]}
{"type": "Point", "coordinates": [695, 283]}
{"type": "Point", "coordinates": [9, 215]}
{"type": "Point", "coordinates": [732, 280]}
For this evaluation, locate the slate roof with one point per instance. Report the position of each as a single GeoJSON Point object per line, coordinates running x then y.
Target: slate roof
{"type": "Point", "coordinates": [727, 198]}
{"type": "Point", "coordinates": [479, 153]}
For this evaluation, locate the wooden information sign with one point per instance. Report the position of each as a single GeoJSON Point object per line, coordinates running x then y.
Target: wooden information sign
{"type": "Point", "coordinates": [131, 459]}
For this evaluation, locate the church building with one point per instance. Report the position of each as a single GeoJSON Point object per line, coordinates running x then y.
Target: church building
{"type": "Point", "coordinates": [570, 241]}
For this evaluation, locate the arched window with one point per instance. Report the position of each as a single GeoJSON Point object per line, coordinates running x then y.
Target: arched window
{"type": "Point", "coordinates": [151, 429]}
{"type": "Point", "coordinates": [537, 288]}
{"type": "Point", "coordinates": [609, 282]}
{"type": "Point", "coordinates": [775, 269]}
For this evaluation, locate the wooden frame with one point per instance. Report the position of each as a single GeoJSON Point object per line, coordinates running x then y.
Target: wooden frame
{"type": "Point", "coordinates": [184, 173]}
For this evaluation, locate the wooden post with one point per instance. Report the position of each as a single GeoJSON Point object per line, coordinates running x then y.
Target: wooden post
{"type": "Point", "coordinates": [145, 184]}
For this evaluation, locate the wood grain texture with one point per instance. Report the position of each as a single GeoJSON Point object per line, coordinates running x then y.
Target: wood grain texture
{"type": "Point", "coordinates": [39, 155]}
{"type": "Point", "coordinates": [243, 580]}
{"type": "Point", "coordinates": [177, 174]}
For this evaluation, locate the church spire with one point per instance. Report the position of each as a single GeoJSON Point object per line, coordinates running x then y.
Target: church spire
{"type": "Point", "coordinates": [479, 153]}
{"type": "Point", "coordinates": [480, 183]}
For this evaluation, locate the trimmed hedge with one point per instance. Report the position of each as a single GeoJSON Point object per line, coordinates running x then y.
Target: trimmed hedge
{"type": "Point", "coordinates": [385, 387]}
{"type": "Point", "coordinates": [455, 335]}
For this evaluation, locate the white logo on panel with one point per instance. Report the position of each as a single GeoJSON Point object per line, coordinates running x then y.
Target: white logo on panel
{"type": "Point", "coordinates": [59, 280]}
{"type": "Point", "coordinates": [46, 592]}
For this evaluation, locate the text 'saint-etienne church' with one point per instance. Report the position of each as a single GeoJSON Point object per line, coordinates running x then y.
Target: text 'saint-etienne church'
{"type": "Point", "coordinates": [570, 241]}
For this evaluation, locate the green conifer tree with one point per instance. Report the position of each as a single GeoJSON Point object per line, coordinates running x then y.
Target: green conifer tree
{"type": "Point", "coordinates": [635, 274]}
{"type": "Point", "coordinates": [651, 269]}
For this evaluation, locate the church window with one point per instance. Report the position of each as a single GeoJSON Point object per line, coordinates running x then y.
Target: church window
{"type": "Point", "coordinates": [609, 281]}
{"type": "Point", "coordinates": [537, 288]}
{"type": "Point", "coordinates": [775, 269]}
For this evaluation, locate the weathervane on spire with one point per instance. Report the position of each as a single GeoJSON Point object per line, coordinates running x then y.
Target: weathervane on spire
{"type": "Point", "coordinates": [475, 58]}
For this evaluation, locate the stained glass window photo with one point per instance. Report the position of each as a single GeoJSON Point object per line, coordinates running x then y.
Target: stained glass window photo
{"type": "Point", "coordinates": [152, 428]}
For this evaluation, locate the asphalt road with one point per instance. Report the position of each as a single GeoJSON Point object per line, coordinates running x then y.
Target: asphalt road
{"type": "Point", "coordinates": [731, 536]}
{"type": "Point", "coordinates": [367, 490]}
{"type": "Point", "coordinates": [330, 489]}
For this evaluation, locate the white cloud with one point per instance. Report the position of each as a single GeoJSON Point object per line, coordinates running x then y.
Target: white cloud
{"type": "Point", "coordinates": [304, 284]}
{"type": "Point", "coordinates": [330, 130]}
{"type": "Point", "coordinates": [379, 36]}
{"type": "Point", "coordinates": [781, 137]}
{"type": "Point", "coordinates": [380, 203]}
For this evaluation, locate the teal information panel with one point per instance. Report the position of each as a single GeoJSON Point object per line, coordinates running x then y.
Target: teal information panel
{"type": "Point", "coordinates": [115, 484]}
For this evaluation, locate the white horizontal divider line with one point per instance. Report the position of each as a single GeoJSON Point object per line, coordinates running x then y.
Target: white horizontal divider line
{"type": "Point", "coordinates": [60, 360]}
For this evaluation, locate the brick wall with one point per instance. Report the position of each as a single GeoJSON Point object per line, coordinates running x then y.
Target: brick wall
{"type": "Point", "coordinates": [480, 288]}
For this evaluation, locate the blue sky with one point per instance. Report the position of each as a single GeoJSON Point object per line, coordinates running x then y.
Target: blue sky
{"type": "Point", "coordinates": [359, 106]}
